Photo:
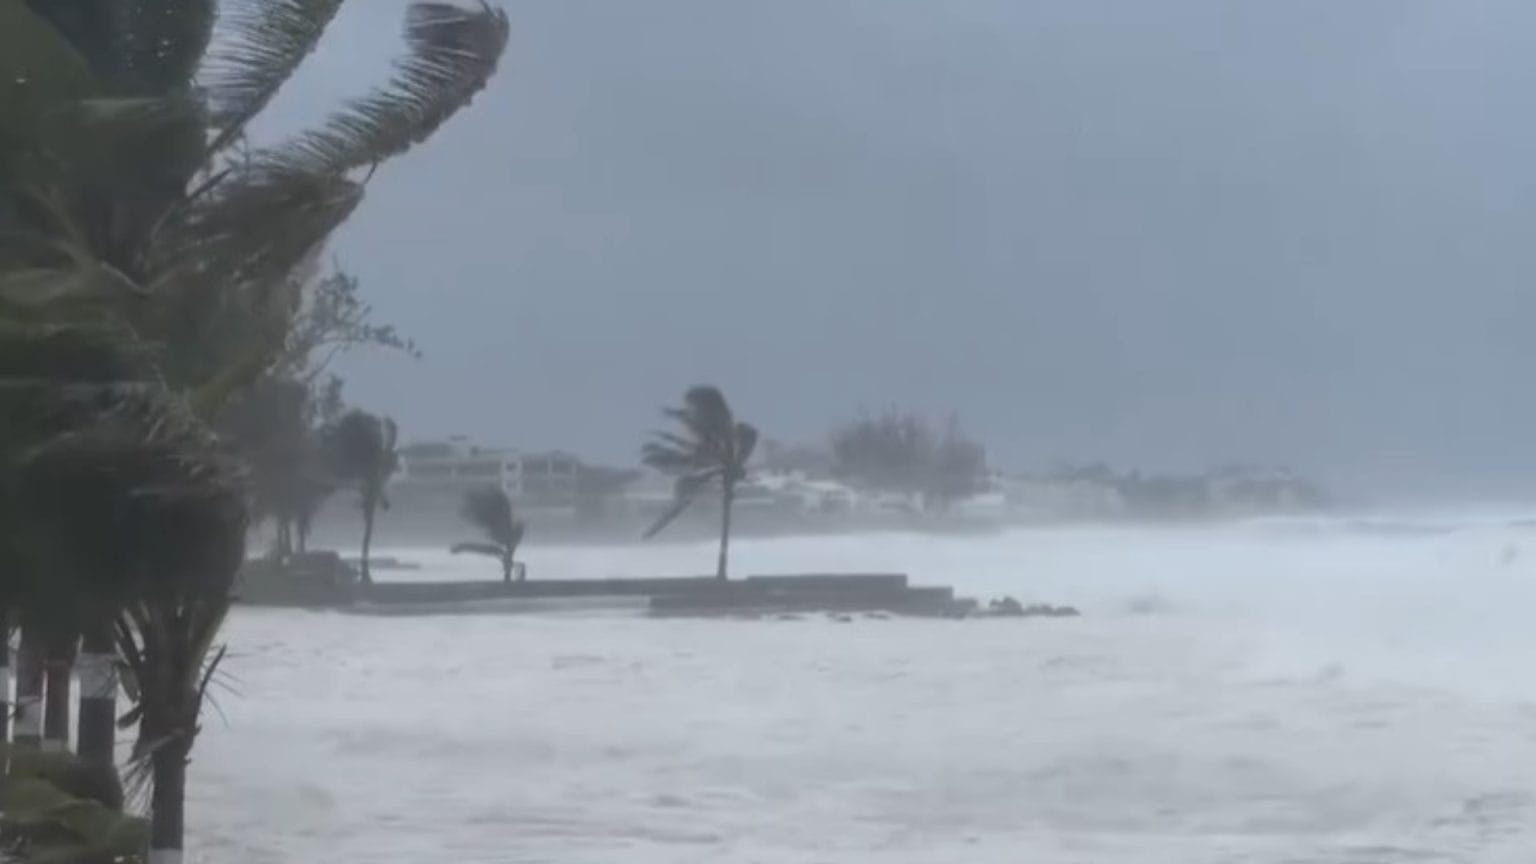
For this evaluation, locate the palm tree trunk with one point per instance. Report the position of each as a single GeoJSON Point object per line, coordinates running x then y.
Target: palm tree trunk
{"type": "Point", "coordinates": [29, 690]}
{"type": "Point", "coordinates": [367, 544]}
{"type": "Point", "coordinates": [727, 495]}
{"type": "Point", "coordinates": [59, 669]}
{"type": "Point", "coordinates": [5, 676]}
{"type": "Point", "coordinates": [506, 569]}
{"type": "Point", "coordinates": [98, 697]}
{"type": "Point", "coordinates": [168, 803]}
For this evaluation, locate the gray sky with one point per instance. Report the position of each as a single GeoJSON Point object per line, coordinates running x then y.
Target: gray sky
{"type": "Point", "coordinates": [1160, 234]}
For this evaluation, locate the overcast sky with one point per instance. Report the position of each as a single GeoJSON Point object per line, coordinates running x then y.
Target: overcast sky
{"type": "Point", "coordinates": [1160, 234]}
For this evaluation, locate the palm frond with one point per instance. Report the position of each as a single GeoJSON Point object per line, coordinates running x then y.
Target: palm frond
{"type": "Point", "coordinates": [475, 548]}
{"type": "Point", "coordinates": [684, 491]}
{"type": "Point", "coordinates": [221, 270]}
{"type": "Point", "coordinates": [97, 352]}
{"type": "Point", "coordinates": [706, 419]}
{"type": "Point", "coordinates": [667, 458]}
{"type": "Point", "coordinates": [489, 510]}
{"type": "Point", "coordinates": [707, 403]}
{"type": "Point", "coordinates": [262, 43]}
{"type": "Point", "coordinates": [452, 51]}
{"type": "Point", "coordinates": [674, 442]}
{"type": "Point", "coordinates": [258, 226]}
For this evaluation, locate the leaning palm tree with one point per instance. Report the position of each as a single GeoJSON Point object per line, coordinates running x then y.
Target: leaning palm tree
{"type": "Point", "coordinates": [711, 450]}
{"type": "Point", "coordinates": [166, 512]}
{"type": "Point", "coordinates": [361, 451]}
{"type": "Point", "coordinates": [490, 510]}
{"type": "Point", "coordinates": [126, 177]}
{"type": "Point", "coordinates": [57, 376]}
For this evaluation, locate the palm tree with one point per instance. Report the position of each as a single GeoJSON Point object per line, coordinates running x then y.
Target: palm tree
{"type": "Point", "coordinates": [361, 450]}
{"type": "Point", "coordinates": [54, 378]}
{"type": "Point", "coordinates": [150, 486]}
{"type": "Point", "coordinates": [146, 182]}
{"type": "Point", "coordinates": [712, 449]}
{"type": "Point", "coordinates": [126, 180]}
{"type": "Point", "coordinates": [490, 510]}
{"type": "Point", "coordinates": [271, 427]}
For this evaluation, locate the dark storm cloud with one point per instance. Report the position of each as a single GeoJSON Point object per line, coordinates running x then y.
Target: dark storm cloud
{"type": "Point", "coordinates": [1165, 233]}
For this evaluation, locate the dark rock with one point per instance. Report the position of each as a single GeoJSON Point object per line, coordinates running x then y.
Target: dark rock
{"type": "Point", "coordinates": [1008, 607]}
{"type": "Point", "coordinates": [1005, 607]}
{"type": "Point", "coordinates": [1042, 610]}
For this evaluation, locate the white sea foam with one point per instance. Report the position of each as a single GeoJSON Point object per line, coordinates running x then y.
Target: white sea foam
{"type": "Point", "coordinates": [1318, 691]}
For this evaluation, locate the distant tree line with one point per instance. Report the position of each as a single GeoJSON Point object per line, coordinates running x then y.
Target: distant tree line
{"type": "Point", "coordinates": [294, 432]}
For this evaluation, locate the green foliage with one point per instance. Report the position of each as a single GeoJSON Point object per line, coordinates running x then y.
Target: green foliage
{"type": "Point", "coordinates": [361, 449]}
{"type": "Point", "coordinates": [711, 449]}
{"type": "Point", "coordinates": [275, 428]}
{"type": "Point", "coordinates": [122, 182]}
{"type": "Point", "coordinates": [55, 809]}
{"type": "Point", "coordinates": [490, 510]}
{"type": "Point", "coordinates": [898, 452]}
{"type": "Point", "coordinates": [150, 272]}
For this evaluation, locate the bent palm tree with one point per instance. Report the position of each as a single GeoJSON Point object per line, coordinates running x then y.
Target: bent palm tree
{"type": "Point", "coordinates": [713, 448]}
{"type": "Point", "coordinates": [490, 510]}
{"type": "Point", "coordinates": [149, 485]}
{"type": "Point", "coordinates": [361, 449]}
{"type": "Point", "coordinates": [126, 178]}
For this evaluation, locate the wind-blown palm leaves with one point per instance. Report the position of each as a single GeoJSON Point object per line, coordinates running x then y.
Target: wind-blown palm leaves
{"type": "Point", "coordinates": [272, 427]}
{"type": "Point", "coordinates": [122, 190]}
{"type": "Point", "coordinates": [213, 236]}
{"type": "Point", "coordinates": [490, 510]}
{"type": "Point", "coordinates": [264, 42]}
{"type": "Point", "coordinates": [166, 516]}
{"type": "Point", "coordinates": [360, 450]}
{"type": "Point", "coordinates": [712, 449]}
{"type": "Point", "coordinates": [55, 378]}
{"type": "Point", "coordinates": [452, 52]}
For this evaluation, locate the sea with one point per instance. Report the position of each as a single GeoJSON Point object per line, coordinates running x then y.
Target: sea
{"type": "Point", "coordinates": [1284, 691]}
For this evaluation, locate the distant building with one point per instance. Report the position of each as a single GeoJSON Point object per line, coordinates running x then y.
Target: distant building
{"type": "Point", "coordinates": [1258, 489]}
{"type": "Point", "coordinates": [1066, 495]}
{"type": "Point", "coordinates": [450, 468]}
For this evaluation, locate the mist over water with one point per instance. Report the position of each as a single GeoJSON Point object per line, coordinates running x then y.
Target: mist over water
{"type": "Point", "coordinates": [1309, 690]}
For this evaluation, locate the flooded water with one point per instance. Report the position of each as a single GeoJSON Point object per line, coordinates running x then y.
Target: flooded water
{"type": "Point", "coordinates": [1280, 692]}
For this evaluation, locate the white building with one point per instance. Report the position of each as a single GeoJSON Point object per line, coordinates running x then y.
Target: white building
{"type": "Point", "coordinates": [455, 466]}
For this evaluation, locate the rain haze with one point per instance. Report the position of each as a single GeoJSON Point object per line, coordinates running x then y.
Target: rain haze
{"type": "Point", "coordinates": [843, 432]}
{"type": "Point", "coordinates": [1164, 236]}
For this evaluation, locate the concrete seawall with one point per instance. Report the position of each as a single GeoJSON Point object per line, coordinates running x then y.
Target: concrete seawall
{"type": "Point", "coordinates": [326, 582]}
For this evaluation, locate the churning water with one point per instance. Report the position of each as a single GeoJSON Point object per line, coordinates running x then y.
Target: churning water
{"type": "Point", "coordinates": [1292, 691]}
